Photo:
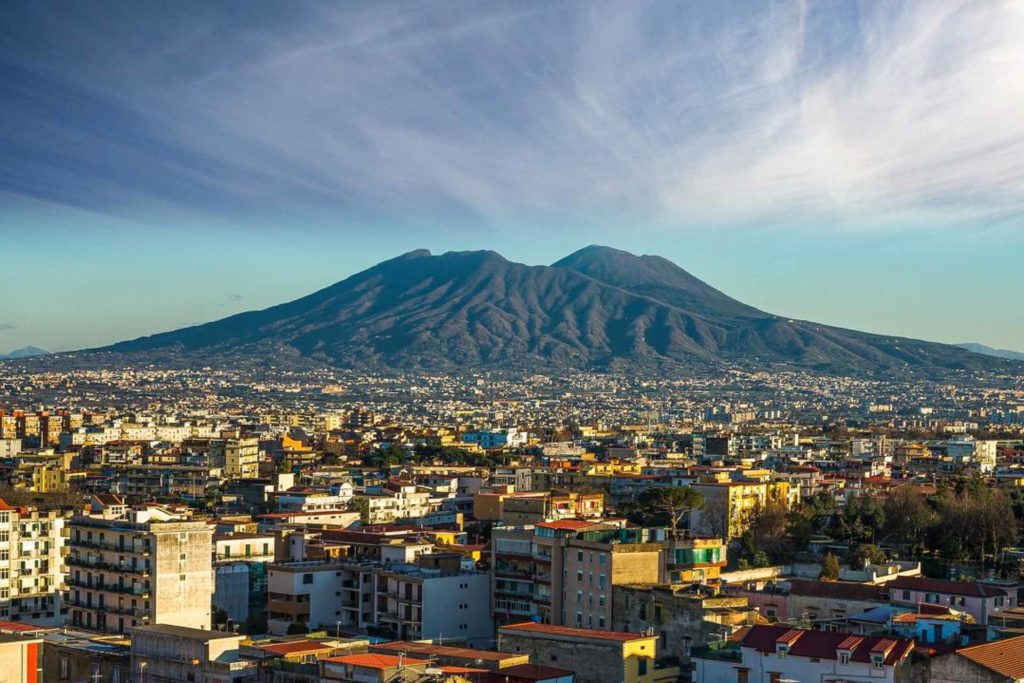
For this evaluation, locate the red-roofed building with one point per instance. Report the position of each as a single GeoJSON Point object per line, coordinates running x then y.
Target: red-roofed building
{"type": "Point", "coordinates": [978, 599]}
{"type": "Point", "coordinates": [372, 668]}
{"type": "Point", "coordinates": [776, 653]}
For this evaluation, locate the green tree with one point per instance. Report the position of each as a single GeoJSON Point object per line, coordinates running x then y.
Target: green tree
{"type": "Point", "coordinates": [862, 520]}
{"type": "Point", "coordinates": [829, 568]}
{"type": "Point", "coordinates": [362, 506]}
{"type": "Point", "coordinates": [297, 628]}
{"type": "Point", "coordinates": [907, 516]}
{"type": "Point", "coordinates": [867, 553]}
{"type": "Point", "coordinates": [673, 500]}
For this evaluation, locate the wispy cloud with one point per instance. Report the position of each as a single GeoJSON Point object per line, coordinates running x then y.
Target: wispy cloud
{"type": "Point", "coordinates": [869, 115]}
{"type": "Point", "coordinates": [5, 327]}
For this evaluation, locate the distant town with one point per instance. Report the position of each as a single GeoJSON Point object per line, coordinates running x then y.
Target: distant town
{"type": "Point", "coordinates": [324, 525]}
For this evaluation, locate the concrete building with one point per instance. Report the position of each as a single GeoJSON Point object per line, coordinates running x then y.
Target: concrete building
{"type": "Point", "coordinates": [373, 668]}
{"type": "Point", "coordinates": [978, 599]}
{"type": "Point", "coordinates": [563, 572]}
{"type": "Point", "coordinates": [148, 566]}
{"type": "Point", "coordinates": [436, 603]}
{"type": "Point", "coordinates": [32, 564]}
{"type": "Point", "coordinates": [239, 457]}
{"type": "Point", "coordinates": [161, 652]}
{"type": "Point", "coordinates": [680, 615]}
{"type": "Point", "coordinates": [433, 599]}
{"type": "Point", "coordinates": [1001, 661]}
{"type": "Point", "coordinates": [81, 656]}
{"type": "Point", "coordinates": [22, 658]}
{"type": "Point", "coordinates": [595, 656]}
{"type": "Point", "coordinates": [240, 575]}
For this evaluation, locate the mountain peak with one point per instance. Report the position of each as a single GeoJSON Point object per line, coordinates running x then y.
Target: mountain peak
{"type": "Point", "coordinates": [656, 277]}
{"type": "Point", "coordinates": [597, 308]}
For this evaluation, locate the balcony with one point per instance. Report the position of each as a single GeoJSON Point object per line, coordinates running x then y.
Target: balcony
{"type": "Point", "coordinates": [110, 547]}
{"type": "Point", "coordinates": [719, 650]}
{"type": "Point", "coordinates": [90, 563]}
{"type": "Point", "coordinates": [139, 591]}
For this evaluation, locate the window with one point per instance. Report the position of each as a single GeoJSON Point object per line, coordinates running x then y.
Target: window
{"type": "Point", "coordinates": [742, 676]}
{"type": "Point", "coordinates": [579, 555]}
{"type": "Point", "coordinates": [844, 657]}
{"type": "Point", "coordinates": [906, 595]}
{"type": "Point", "coordinates": [307, 578]}
{"type": "Point", "coordinates": [782, 649]}
{"type": "Point", "coordinates": [579, 596]}
{"type": "Point", "coordinates": [65, 669]}
{"type": "Point", "coordinates": [877, 660]}
{"type": "Point", "coordinates": [641, 666]}
{"type": "Point", "coordinates": [579, 575]}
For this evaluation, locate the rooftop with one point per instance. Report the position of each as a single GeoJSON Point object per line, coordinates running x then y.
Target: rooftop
{"type": "Point", "coordinates": [531, 627]}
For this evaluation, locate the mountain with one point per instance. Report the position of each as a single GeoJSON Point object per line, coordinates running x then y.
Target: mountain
{"type": "Point", "coordinates": [24, 352]}
{"type": "Point", "coordinates": [597, 308]}
{"type": "Point", "coordinates": [989, 351]}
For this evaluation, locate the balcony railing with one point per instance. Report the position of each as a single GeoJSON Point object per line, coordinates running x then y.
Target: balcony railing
{"type": "Point", "coordinates": [89, 563]}
{"type": "Point", "coordinates": [110, 588]}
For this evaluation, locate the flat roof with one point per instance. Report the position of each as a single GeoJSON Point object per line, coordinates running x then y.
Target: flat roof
{"type": "Point", "coordinates": [184, 632]}
{"type": "Point", "coordinates": [582, 633]}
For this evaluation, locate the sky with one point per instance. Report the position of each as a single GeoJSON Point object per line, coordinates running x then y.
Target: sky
{"type": "Point", "coordinates": [165, 164]}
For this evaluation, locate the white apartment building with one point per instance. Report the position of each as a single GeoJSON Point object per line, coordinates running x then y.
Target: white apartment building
{"type": "Point", "coordinates": [147, 566]}
{"type": "Point", "coordinates": [413, 601]}
{"type": "Point", "coordinates": [397, 502]}
{"type": "Point", "coordinates": [32, 566]}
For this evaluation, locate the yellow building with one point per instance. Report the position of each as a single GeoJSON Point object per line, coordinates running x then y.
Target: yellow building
{"type": "Point", "coordinates": [731, 497]}
{"type": "Point", "coordinates": [595, 656]}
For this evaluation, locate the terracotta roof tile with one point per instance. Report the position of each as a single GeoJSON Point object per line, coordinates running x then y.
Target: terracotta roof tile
{"type": "Point", "coordinates": [1005, 657]}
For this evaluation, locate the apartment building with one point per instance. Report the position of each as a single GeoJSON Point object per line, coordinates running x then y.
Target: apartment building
{"type": "Point", "coordinates": [563, 572]}
{"type": "Point", "coordinates": [435, 600]}
{"type": "Point", "coordinates": [397, 501]}
{"type": "Point", "coordinates": [146, 566]}
{"type": "Point", "coordinates": [239, 457]}
{"type": "Point", "coordinates": [240, 575]}
{"type": "Point", "coordinates": [32, 563]}
{"type": "Point", "coordinates": [732, 500]}
{"type": "Point", "coordinates": [432, 599]}
{"type": "Point", "coordinates": [161, 652]}
{"type": "Point", "coordinates": [595, 656]}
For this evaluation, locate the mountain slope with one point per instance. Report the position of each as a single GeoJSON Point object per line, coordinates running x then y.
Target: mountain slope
{"type": "Point", "coordinates": [24, 352]}
{"type": "Point", "coordinates": [990, 351]}
{"type": "Point", "coordinates": [596, 308]}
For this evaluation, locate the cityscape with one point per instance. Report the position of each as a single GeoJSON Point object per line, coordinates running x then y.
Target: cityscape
{"type": "Point", "coordinates": [315, 366]}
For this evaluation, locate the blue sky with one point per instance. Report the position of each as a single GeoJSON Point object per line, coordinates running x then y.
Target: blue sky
{"type": "Point", "coordinates": [856, 164]}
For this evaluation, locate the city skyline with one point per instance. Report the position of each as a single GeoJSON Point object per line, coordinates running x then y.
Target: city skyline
{"type": "Point", "coordinates": [849, 164]}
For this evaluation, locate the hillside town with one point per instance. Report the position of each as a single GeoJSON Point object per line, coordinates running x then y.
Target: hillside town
{"type": "Point", "coordinates": [343, 528]}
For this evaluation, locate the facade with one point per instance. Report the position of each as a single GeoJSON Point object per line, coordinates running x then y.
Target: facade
{"type": "Point", "coordinates": [174, 653]}
{"type": "Point", "coordinates": [240, 575]}
{"type": "Point", "coordinates": [33, 568]}
{"type": "Point", "coordinates": [595, 656]}
{"type": "Point", "coordinates": [80, 656]}
{"type": "Point", "coordinates": [407, 601]}
{"type": "Point", "coordinates": [146, 567]}
{"type": "Point", "coordinates": [505, 438]}
{"type": "Point", "coordinates": [680, 615]}
{"type": "Point", "coordinates": [980, 600]}
{"type": "Point", "coordinates": [1001, 661]}
{"type": "Point", "coordinates": [734, 500]}
{"type": "Point", "coordinates": [769, 654]}
{"type": "Point", "coordinates": [22, 659]}
{"type": "Point", "coordinates": [239, 457]}
{"type": "Point", "coordinates": [563, 572]}
{"type": "Point", "coordinates": [373, 668]}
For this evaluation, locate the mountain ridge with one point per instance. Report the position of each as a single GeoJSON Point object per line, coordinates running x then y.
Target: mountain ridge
{"type": "Point", "coordinates": [597, 308]}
